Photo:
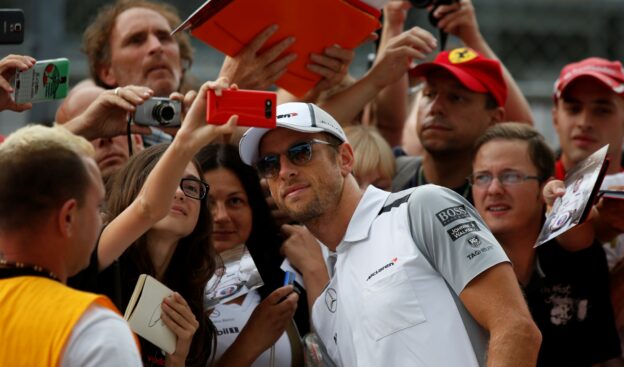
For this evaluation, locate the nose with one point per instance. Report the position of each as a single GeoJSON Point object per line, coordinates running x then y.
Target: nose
{"type": "Point", "coordinates": [496, 187]}
{"type": "Point", "coordinates": [583, 119]}
{"type": "Point", "coordinates": [103, 142]}
{"type": "Point", "coordinates": [435, 105]}
{"type": "Point", "coordinates": [287, 169]}
{"type": "Point", "coordinates": [154, 44]}
{"type": "Point", "coordinates": [219, 212]}
{"type": "Point", "coordinates": [179, 194]}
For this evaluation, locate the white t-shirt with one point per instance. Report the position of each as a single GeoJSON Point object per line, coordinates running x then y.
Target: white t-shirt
{"type": "Point", "coordinates": [386, 304]}
{"type": "Point", "coordinates": [229, 319]}
{"type": "Point", "coordinates": [101, 338]}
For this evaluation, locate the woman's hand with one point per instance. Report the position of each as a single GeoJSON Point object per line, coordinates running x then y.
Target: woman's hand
{"type": "Point", "coordinates": [195, 131]}
{"type": "Point", "coordinates": [178, 317]}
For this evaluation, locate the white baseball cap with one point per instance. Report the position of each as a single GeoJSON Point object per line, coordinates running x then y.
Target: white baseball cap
{"type": "Point", "coordinates": [298, 116]}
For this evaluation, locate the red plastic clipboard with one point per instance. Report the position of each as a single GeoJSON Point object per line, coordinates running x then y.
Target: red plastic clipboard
{"type": "Point", "coordinates": [228, 25]}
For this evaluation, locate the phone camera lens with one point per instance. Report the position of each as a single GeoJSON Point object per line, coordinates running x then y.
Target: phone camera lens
{"type": "Point", "coordinates": [267, 108]}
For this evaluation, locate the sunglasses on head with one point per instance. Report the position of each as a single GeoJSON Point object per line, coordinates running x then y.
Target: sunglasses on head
{"type": "Point", "coordinates": [298, 154]}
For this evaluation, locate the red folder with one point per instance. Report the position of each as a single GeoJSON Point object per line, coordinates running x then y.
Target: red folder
{"type": "Point", "coordinates": [228, 25]}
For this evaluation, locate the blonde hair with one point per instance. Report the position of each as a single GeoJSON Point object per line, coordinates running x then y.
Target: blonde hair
{"type": "Point", "coordinates": [372, 152]}
{"type": "Point", "coordinates": [32, 138]}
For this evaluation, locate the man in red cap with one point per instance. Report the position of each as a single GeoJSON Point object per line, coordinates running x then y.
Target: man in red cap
{"type": "Point", "coordinates": [463, 95]}
{"type": "Point", "coordinates": [589, 112]}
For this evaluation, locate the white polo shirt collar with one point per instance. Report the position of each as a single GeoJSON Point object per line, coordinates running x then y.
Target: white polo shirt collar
{"type": "Point", "coordinates": [367, 210]}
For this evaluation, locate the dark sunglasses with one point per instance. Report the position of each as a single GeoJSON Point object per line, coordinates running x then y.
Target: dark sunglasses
{"type": "Point", "coordinates": [298, 154]}
{"type": "Point", "coordinates": [194, 188]}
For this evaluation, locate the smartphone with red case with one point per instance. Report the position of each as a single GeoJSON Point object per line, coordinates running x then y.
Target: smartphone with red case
{"type": "Point", "coordinates": [254, 108]}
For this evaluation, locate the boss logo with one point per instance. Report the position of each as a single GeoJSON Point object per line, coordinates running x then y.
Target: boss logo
{"type": "Point", "coordinates": [449, 215]}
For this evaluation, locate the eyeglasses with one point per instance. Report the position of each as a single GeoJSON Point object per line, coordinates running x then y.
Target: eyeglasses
{"type": "Point", "coordinates": [298, 154]}
{"type": "Point", "coordinates": [506, 178]}
{"type": "Point", "coordinates": [194, 188]}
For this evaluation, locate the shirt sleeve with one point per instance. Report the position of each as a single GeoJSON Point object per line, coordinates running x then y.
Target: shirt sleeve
{"type": "Point", "coordinates": [101, 338]}
{"type": "Point", "coordinates": [452, 235]}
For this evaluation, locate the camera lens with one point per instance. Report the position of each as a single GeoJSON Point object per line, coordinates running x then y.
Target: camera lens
{"type": "Point", "coordinates": [421, 3]}
{"type": "Point", "coordinates": [267, 108]}
{"type": "Point", "coordinates": [163, 112]}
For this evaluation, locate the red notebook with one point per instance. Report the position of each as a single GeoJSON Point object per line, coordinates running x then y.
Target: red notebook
{"type": "Point", "coordinates": [228, 25]}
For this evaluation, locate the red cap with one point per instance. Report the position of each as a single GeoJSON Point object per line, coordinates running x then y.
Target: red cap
{"type": "Point", "coordinates": [1, 138]}
{"type": "Point", "coordinates": [474, 71]}
{"type": "Point", "coordinates": [609, 73]}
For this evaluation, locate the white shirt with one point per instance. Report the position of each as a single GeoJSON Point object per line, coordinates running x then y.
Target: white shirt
{"type": "Point", "coordinates": [386, 305]}
{"type": "Point", "coordinates": [101, 338]}
{"type": "Point", "coordinates": [229, 319]}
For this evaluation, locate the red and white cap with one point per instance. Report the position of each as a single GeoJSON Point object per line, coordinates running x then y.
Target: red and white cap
{"type": "Point", "coordinates": [609, 73]}
{"type": "Point", "coordinates": [297, 116]}
{"type": "Point", "coordinates": [475, 71]}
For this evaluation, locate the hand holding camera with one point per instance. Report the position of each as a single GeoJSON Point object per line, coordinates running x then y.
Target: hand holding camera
{"type": "Point", "coordinates": [437, 9]}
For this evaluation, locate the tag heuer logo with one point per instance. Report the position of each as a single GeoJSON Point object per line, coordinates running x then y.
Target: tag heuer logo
{"type": "Point", "coordinates": [474, 241]}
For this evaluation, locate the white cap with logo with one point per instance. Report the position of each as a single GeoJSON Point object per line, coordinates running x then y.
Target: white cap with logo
{"type": "Point", "coordinates": [298, 116]}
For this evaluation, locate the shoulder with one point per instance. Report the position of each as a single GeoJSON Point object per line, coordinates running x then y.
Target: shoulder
{"type": "Point", "coordinates": [101, 338]}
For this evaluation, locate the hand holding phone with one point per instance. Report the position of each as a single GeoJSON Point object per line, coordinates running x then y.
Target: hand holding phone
{"type": "Point", "coordinates": [46, 80]}
{"type": "Point", "coordinates": [254, 108]}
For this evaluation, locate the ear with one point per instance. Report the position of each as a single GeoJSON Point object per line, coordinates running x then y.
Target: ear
{"type": "Point", "coordinates": [497, 115]}
{"type": "Point", "coordinates": [137, 139]}
{"type": "Point", "coordinates": [106, 75]}
{"type": "Point", "coordinates": [553, 111]}
{"type": "Point", "coordinates": [346, 158]}
{"type": "Point", "coordinates": [67, 217]}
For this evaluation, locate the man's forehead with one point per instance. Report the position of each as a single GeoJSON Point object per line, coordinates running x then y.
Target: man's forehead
{"type": "Point", "coordinates": [140, 19]}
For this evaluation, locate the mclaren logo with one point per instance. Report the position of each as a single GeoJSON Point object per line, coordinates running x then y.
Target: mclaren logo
{"type": "Point", "coordinates": [287, 115]}
{"type": "Point", "coordinates": [390, 264]}
{"type": "Point", "coordinates": [331, 300]}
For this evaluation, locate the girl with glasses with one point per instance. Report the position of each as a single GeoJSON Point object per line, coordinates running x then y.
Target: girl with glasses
{"type": "Point", "coordinates": [158, 223]}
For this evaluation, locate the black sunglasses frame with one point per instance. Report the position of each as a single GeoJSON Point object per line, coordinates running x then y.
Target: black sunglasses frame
{"type": "Point", "coordinates": [268, 166]}
{"type": "Point", "coordinates": [202, 183]}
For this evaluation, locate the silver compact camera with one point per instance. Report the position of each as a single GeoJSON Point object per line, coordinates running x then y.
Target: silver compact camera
{"type": "Point", "coordinates": [159, 112]}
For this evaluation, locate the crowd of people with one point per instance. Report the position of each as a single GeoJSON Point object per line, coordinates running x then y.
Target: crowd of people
{"type": "Point", "coordinates": [409, 218]}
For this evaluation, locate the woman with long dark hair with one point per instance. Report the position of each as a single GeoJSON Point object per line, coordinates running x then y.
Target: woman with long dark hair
{"type": "Point", "coordinates": [158, 223]}
{"type": "Point", "coordinates": [241, 215]}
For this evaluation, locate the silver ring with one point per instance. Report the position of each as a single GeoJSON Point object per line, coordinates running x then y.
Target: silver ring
{"type": "Point", "coordinates": [117, 91]}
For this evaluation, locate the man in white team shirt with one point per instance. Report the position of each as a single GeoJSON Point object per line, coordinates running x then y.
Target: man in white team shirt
{"type": "Point", "coordinates": [51, 193]}
{"type": "Point", "coordinates": [418, 279]}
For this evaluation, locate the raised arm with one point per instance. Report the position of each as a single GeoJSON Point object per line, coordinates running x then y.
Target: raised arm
{"type": "Point", "coordinates": [392, 65]}
{"type": "Point", "coordinates": [156, 195]}
{"type": "Point", "coordinates": [392, 101]}
{"type": "Point", "coordinates": [459, 19]}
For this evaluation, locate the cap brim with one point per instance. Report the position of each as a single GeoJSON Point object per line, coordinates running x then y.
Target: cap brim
{"type": "Point", "coordinates": [604, 79]}
{"type": "Point", "coordinates": [466, 79]}
{"type": "Point", "coordinates": [250, 143]}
